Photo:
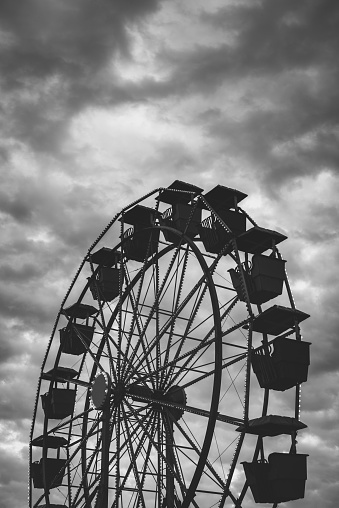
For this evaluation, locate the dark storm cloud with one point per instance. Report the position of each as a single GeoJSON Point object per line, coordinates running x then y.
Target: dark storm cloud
{"type": "Point", "coordinates": [319, 297]}
{"type": "Point", "coordinates": [8, 347]}
{"type": "Point", "coordinates": [23, 273]}
{"type": "Point", "coordinates": [34, 312]}
{"type": "Point", "coordinates": [52, 55]}
{"type": "Point", "coordinates": [13, 469]}
{"type": "Point", "coordinates": [19, 210]}
{"type": "Point", "coordinates": [284, 51]}
{"type": "Point", "coordinates": [59, 37]}
{"type": "Point", "coordinates": [16, 403]}
{"type": "Point", "coordinates": [7, 474]}
{"type": "Point", "coordinates": [269, 37]}
{"type": "Point", "coordinates": [324, 225]}
{"type": "Point", "coordinates": [280, 34]}
{"type": "Point", "coordinates": [325, 352]}
{"type": "Point", "coordinates": [71, 212]}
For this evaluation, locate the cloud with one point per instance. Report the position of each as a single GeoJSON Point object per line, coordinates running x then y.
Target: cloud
{"type": "Point", "coordinates": [266, 37]}
{"type": "Point", "coordinates": [13, 465]}
{"type": "Point", "coordinates": [54, 61]}
{"type": "Point", "coordinates": [102, 102]}
{"type": "Point", "coordinates": [278, 69]}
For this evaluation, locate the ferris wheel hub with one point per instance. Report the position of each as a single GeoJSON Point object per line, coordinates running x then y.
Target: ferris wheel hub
{"type": "Point", "coordinates": [100, 391]}
{"type": "Point", "coordinates": [177, 395]}
{"type": "Point", "coordinates": [119, 392]}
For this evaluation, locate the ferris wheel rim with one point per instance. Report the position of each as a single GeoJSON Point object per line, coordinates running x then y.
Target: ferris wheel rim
{"type": "Point", "coordinates": [217, 380]}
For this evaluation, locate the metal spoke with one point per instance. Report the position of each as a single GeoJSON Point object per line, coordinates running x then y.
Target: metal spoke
{"type": "Point", "coordinates": [151, 313]}
{"type": "Point", "coordinates": [169, 322]}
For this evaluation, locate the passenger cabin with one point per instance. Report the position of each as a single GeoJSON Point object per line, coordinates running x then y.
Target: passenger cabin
{"type": "Point", "coordinates": [53, 469]}
{"type": "Point", "coordinates": [285, 362]}
{"type": "Point", "coordinates": [213, 233]}
{"type": "Point", "coordinates": [58, 403]}
{"type": "Point", "coordinates": [261, 278]}
{"type": "Point", "coordinates": [104, 283]}
{"type": "Point", "coordinates": [141, 240]}
{"type": "Point", "coordinates": [183, 214]}
{"type": "Point", "coordinates": [279, 480]}
{"type": "Point", "coordinates": [282, 478]}
{"type": "Point", "coordinates": [285, 367]}
{"type": "Point", "coordinates": [76, 337]}
{"type": "Point", "coordinates": [264, 279]}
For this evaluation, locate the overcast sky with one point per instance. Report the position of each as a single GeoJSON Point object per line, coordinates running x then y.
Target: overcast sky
{"type": "Point", "coordinates": [104, 100]}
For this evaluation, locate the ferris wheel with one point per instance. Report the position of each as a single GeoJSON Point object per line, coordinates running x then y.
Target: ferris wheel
{"type": "Point", "coordinates": [172, 375]}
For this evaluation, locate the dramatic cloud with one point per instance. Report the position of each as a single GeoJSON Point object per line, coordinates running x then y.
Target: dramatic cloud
{"type": "Point", "coordinates": [101, 102]}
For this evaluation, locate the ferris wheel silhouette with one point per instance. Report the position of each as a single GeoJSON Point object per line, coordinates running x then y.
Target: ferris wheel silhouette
{"type": "Point", "coordinates": [166, 360]}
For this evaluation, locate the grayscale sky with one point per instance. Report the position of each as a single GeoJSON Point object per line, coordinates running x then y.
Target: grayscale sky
{"type": "Point", "coordinates": [104, 100]}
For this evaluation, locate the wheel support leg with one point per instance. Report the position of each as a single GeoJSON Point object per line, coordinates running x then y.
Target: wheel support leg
{"type": "Point", "coordinates": [169, 466]}
{"type": "Point", "coordinates": [102, 499]}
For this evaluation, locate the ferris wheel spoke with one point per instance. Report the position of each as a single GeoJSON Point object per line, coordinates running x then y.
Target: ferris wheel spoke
{"type": "Point", "coordinates": [187, 409]}
{"type": "Point", "coordinates": [153, 344]}
{"type": "Point", "coordinates": [171, 332]}
{"type": "Point", "coordinates": [163, 356]}
{"type": "Point", "coordinates": [133, 438]}
{"type": "Point", "coordinates": [123, 449]}
{"type": "Point", "coordinates": [205, 413]}
{"type": "Point", "coordinates": [80, 443]}
{"type": "Point", "coordinates": [85, 487]}
{"type": "Point", "coordinates": [169, 322]}
{"type": "Point", "coordinates": [165, 286]}
{"type": "Point", "coordinates": [157, 447]}
{"type": "Point", "coordinates": [93, 488]}
{"type": "Point", "coordinates": [143, 343]}
{"type": "Point", "coordinates": [153, 309]}
{"type": "Point", "coordinates": [195, 447]}
{"type": "Point", "coordinates": [225, 310]}
{"type": "Point", "coordinates": [110, 356]}
{"type": "Point", "coordinates": [171, 275]}
{"type": "Point", "coordinates": [89, 459]}
{"type": "Point", "coordinates": [149, 467]}
{"type": "Point", "coordinates": [118, 451]}
{"type": "Point", "coordinates": [65, 424]}
{"type": "Point", "coordinates": [136, 320]}
{"type": "Point", "coordinates": [134, 455]}
{"type": "Point", "coordinates": [190, 366]}
{"type": "Point", "coordinates": [104, 351]}
{"type": "Point", "coordinates": [159, 465]}
{"type": "Point", "coordinates": [146, 377]}
{"type": "Point", "coordinates": [170, 378]}
{"type": "Point", "coordinates": [128, 360]}
{"type": "Point", "coordinates": [191, 357]}
{"type": "Point", "coordinates": [172, 461]}
{"type": "Point", "coordinates": [211, 372]}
